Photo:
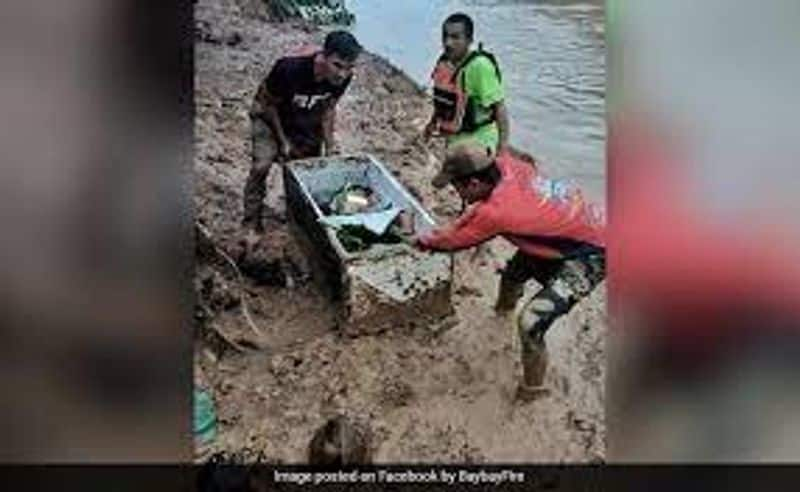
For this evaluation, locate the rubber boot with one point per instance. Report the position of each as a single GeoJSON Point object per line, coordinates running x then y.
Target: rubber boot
{"type": "Point", "coordinates": [507, 296]}
{"type": "Point", "coordinates": [534, 370]}
{"type": "Point", "coordinates": [532, 322]}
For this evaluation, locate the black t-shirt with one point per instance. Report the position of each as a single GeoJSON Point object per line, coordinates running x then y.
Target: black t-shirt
{"type": "Point", "coordinates": [303, 100]}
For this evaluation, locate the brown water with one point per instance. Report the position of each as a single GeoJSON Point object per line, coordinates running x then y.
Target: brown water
{"type": "Point", "coordinates": [552, 54]}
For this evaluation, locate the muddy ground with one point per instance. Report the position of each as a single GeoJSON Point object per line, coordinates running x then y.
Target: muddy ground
{"type": "Point", "coordinates": [449, 399]}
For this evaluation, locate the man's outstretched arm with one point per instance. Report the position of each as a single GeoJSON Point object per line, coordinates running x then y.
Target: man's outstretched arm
{"type": "Point", "coordinates": [471, 229]}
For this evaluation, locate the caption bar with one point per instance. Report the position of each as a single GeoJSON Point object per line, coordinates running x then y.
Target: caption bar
{"type": "Point", "coordinates": [438, 476]}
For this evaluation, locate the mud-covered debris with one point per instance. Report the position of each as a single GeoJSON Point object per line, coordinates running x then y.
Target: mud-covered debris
{"type": "Point", "coordinates": [258, 262]}
{"type": "Point", "coordinates": [204, 32]}
{"type": "Point", "coordinates": [234, 39]}
{"type": "Point", "coordinates": [217, 292]}
{"type": "Point", "coordinates": [263, 272]}
{"type": "Point", "coordinates": [358, 238]}
{"type": "Point", "coordinates": [396, 393]}
{"type": "Point", "coordinates": [468, 291]}
{"type": "Point", "coordinates": [340, 442]}
{"type": "Point", "coordinates": [278, 366]}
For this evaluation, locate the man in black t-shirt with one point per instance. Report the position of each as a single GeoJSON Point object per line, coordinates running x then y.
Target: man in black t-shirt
{"type": "Point", "coordinates": [293, 112]}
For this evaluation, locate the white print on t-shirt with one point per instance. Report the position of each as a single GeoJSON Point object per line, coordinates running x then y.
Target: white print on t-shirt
{"type": "Point", "coordinates": [559, 190]}
{"type": "Point", "coordinates": [565, 193]}
{"type": "Point", "coordinates": [307, 102]}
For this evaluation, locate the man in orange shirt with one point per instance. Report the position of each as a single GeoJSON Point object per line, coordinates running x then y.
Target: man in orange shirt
{"type": "Point", "coordinates": [560, 239]}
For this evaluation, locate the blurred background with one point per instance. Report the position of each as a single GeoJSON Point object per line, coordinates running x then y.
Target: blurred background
{"type": "Point", "coordinates": [704, 231]}
{"type": "Point", "coordinates": [95, 358]}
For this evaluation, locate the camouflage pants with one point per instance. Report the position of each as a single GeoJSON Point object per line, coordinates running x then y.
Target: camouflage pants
{"type": "Point", "coordinates": [564, 283]}
{"type": "Point", "coordinates": [264, 153]}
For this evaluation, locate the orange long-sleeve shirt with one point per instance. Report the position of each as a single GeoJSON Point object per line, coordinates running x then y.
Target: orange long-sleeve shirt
{"type": "Point", "coordinates": [542, 217]}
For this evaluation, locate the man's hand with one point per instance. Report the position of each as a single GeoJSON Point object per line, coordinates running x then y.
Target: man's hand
{"type": "Point", "coordinates": [332, 148]}
{"type": "Point", "coordinates": [420, 242]}
{"type": "Point", "coordinates": [285, 150]}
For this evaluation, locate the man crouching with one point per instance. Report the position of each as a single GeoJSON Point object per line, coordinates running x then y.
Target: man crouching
{"type": "Point", "coordinates": [560, 239]}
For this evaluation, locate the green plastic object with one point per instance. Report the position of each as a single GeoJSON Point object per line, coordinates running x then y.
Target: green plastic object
{"type": "Point", "coordinates": [205, 417]}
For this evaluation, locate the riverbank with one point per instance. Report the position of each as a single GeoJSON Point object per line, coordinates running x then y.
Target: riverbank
{"type": "Point", "coordinates": [449, 399]}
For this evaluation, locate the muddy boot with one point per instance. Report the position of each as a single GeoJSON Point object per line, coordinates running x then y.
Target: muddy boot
{"type": "Point", "coordinates": [253, 201]}
{"type": "Point", "coordinates": [534, 369]}
{"type": "Point", "coordinates": [507, 296]}
{"type": "Point", "coordinates": [533, 321]}
{"type": "Point", "coordinates": [253, 221]}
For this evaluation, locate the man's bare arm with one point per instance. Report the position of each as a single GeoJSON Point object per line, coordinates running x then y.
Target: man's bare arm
{"type": "Point", "coordinates": [267, 108]}
{"type": "Point", "coordinates": [328, 120]}
{"type": "Point", "coordinates": [503, 124]}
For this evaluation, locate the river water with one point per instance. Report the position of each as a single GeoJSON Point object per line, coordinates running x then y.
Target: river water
{"type": "Point", "coordinates": [552, 54]}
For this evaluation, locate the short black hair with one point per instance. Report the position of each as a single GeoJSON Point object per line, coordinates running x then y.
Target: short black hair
{"type": "Point", "coordinates": [342, 44]}
{"type": "Point", "coordinates": [490, 175]}
{"type": "Point", "coordinates": [463, 19]}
